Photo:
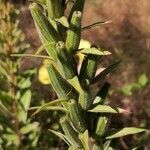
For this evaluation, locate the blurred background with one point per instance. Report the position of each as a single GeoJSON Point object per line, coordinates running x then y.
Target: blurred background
{"type": "Point", "coordinates": [127, 37]}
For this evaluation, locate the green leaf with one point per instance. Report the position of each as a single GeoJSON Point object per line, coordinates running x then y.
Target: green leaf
{"type": "Point", "coordinates": [127, 90]}
{"type": "Point", "coordinates": [101, 95]}
{"type": "Point", "coordinates": [124, 132]}
{"type": "Point", "coordinates": [12, 138]}
{"type": "Point", "coordinates": [105, 72]}
{"type": "Point", "coordinates": [107, 144]}
{"type": "Point", "coordinates": [5, 97]}
{"type": "Point", "coordinates": [5, 111]}
{"type": "Point", "coordinates": [43, 46]}
{"type": "Point", "coordinates": [85, 140]}
{"type": "Point", "coordinates": [99, 23]}
{"type": "Point", "coordinates": [31, 55]}
{"type": "Point", "coordinates": [143, 80]}
{"type": "Point", "coordinates": [47, 105]}
{"type": "Point", "coordinates": [63, 21]}
{"type": "Point", "coordinates": [23, 105]}
{"type": "Point", "coordinates": [61, 136]}
{"type": "Point", "coordinates": [94, 51]}
{"type": "Point", "coordinates": [29, 128]}
{"type": "Point", "coordinates": [106, 109]}
{"type": "Point", "coordinates": [76, 84]}
{"type": "Point", "coordinates": [24, 83]}
{"type": "Point", "coordinates": [3, 71]}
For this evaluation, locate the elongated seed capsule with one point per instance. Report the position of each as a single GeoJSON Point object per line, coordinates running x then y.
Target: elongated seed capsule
{"type": "Point", "coordinates": [77, 116]}
{"type": "Point", "coordinates": [85, 99]}
{"type": "Point", "coordinates": [78, 6]}
{"type": "Point", "coordinates": [70, 132]}
{"type": "Point", "coordinates": [65, 61]}
{"type": "Point", "coordinates": [54, 9]}
{"type": "Point", "coordinates": [74, 32]}
{"type": "Point", "coordinates": [101, 126]}
{"type": "Point", "coordinates": [60, 85]}
{"type": "Point", "coordinates": [46, 31]}
{"type": "Point", "coordinates": [89, 67]}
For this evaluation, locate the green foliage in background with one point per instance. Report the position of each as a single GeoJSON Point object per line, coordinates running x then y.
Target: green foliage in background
{"type": "Point", "coordinates": [138, 85]}
{"type": "Point", "coordinates": [84, 117]}
{"type": "Point", "coordinates": [17, 130]}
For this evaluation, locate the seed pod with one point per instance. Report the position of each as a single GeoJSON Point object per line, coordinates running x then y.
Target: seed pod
{"type": "Point", "coordinates": [102, 124]}
{"type": "Point", "coordinates": [54, 9]}
{"type": "Point", "coordinates": [65, 61]}
{"type": "Point", "coordinates": [78, 6]}
{"type": "Point", "coordinates": [46, 31]}
{"type": "Point", "coordinates": [74, 32]}
{"type": "Point", "coordinates": [89, 67]}
{"type": "Point", "coordinates": [85, 99]}
{"type": "Point", "coordinates": [77, 116]}
{"type": "Point", "coordinates": [70, 132]}
{"type": "Point", "coordinates": [60, 85]}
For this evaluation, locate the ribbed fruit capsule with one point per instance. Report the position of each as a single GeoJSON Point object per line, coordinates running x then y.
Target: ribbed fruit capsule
{"type": "Point", "coordinates": [46, 31]}
{"type": "Point", "coordinates": [74, 32]}
{"type": "Point", "coordinates": [65, 61]}
{"type": "Point", "coordinates": [89, 67]}
{"type": "Point", "coordinates": [77, 116]}
{"type": "Point", "coordinates": [60, 85]}
{"type": "Point", "coordinates": [54, 9]}
{"type": "Point", "coordinates": [101, 126]}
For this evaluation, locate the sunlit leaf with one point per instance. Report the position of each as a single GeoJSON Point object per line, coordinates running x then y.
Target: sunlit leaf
{"type": "Point", "coordinates": [107, 109]}
{"type": "Point", "coordinates": [63, 20]}
{"type": "Point", "coordinates": [124, 132]}
{"type": "Point", "coordinates": [85, 140]}
{"type": "Point", "coordinates": [105, 72]}
{"type": "Point", "coordinates": [29, 128]}
{"type": "Point", "coordinates": [143, 80]}
{"type": "Point", "coordinates": [94, 51]}
{"type": "Point", "coordinates": [61, 136]}
{"type": "Point", "coordinates": [76, 84]}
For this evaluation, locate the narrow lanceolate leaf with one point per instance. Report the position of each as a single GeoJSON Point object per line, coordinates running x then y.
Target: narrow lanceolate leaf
{"type": "Point", "coordinates": [46, 31]}
{"type": "Point", "coordinates": [60, 85]}
{"type": "Point", "coordinates": [84, 137]}
{"type": "Point", "coordinates": [70, 132]}
{"type": "Point", "coordinates": [107, 109]}
{"type": "Point", "coordinates": [101, 126]}
{"type": "Point", "coordinates": [107, 145]}
{"type": "Point", "coordinates": [65, 61]}
{"type": "Point", "coordinates": [54, 9]}
{"type": "Point", "coordinates": [102, 93]}
{"type": "Point", "coordinates": [99, 23]}
{"type": "Point", "coordinates": [124, 132]}
{"type": "Point", "coordinates": [105, 72]}
{"type": "Point", "coordinates": [74, 32]}
{"type": "Point", "coordinates": [47, 105]}
{"type": "Point", "coordinates": [53, 108]}
{"type": "Point", "coordinates": [77, 116]}
{"type": "Point", "coordinates": [61, 136]}
{"type": "Point", "coordinates": [94, 51]}
{"type": "Point", "coordinates": [89, 67]}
